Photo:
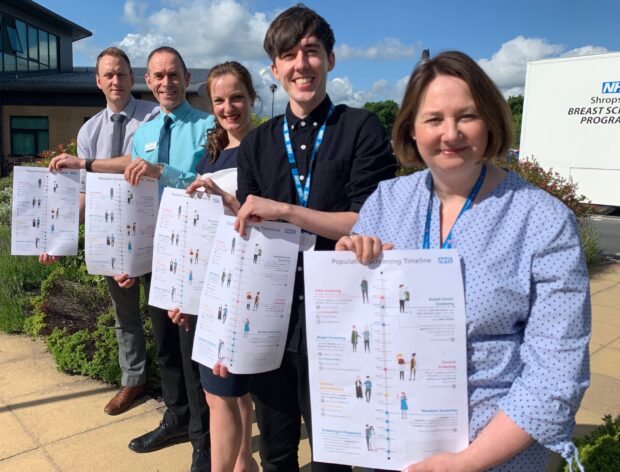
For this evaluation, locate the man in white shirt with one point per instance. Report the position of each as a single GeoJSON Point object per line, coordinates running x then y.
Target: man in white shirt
{"type": "Point", "coordinates": [107, 135]}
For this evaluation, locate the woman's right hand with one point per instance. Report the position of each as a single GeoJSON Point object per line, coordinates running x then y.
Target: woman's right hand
{"type": "Point", "coordinates": [209, 186]}
{"type": "Point", "coordinates": [366, 248]}
{"type": "Point", "coordinates": [195, 185]}
{"type": "Point", "coordinates": [220, 370]}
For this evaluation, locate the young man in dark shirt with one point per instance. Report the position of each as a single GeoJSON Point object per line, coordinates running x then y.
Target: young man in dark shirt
{"type": "Point", "coordinates": [335, 159]}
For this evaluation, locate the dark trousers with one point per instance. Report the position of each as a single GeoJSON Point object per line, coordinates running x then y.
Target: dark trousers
{"type": "Point", "coordinates": [180, 377]}
{"type": "Point", "coordinates": [281, 397]}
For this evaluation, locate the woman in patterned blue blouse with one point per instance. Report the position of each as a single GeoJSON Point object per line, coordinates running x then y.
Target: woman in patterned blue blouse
{"type": "Point", "coordinates": [526, 281]}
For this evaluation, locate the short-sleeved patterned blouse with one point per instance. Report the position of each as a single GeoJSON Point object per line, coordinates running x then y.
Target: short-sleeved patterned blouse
{"type": "Point", "coordinates": [527, 302]}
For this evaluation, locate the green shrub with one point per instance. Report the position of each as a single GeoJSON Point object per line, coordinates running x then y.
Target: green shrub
{"type": "Point", "coordinates": [95, 352]}
{"type": "Point", "coordinates": [21, 278]}
{"type": "Point", "coordinates": [86, 352]}
{"type": "Point", "coordinates": [589, 241]}
{"type": "Point", "coordinates": [35, 323]}
{"type": "Point", "coordinates": [69, 350]}
{"type": "Point", "coordinates": [6, 182]}
{"type": "Point", "coordinates": [104, 362]}
{"type": "Point", "coordinates": [600, 450]}
{"type": "Point", "coordinates": [91, 350]}
{"type": "Point", "coordinates": [6, 197]}
{"type": "Point", "coordinates": [549, 180]}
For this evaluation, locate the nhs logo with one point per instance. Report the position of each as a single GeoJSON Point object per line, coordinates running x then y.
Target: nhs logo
{"type": "Point", "coordinates": [611, 87]}
{"type": "Point", "coordinates": [444, 260]}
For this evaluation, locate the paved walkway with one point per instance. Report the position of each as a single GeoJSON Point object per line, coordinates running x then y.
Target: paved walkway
{"type": "Point", "coordinates": [50, 421]}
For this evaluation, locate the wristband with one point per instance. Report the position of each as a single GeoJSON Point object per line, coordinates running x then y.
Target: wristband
{"type": "Point", "coordinates": [88, 165]}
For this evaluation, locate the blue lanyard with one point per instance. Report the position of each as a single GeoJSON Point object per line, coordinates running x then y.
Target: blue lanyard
{"type": "Point", "coordinates": [303, 194]}
{"type": "Point", "coordinates": [447, 244]}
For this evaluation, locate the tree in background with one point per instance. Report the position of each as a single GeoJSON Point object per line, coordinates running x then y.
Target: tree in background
{"type": "Point", "coordinates": [258, 120]}
{"type": "Point", "coordinates": [386, 110]}
{"type": "Point", "coordinates": [516, 107]}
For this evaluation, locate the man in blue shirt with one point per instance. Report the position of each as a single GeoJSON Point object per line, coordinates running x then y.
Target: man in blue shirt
{"type": "Point", "coordinates": [168, 149]}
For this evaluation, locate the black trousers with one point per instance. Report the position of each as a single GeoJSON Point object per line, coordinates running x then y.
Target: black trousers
{"type": "Point", "coordinates": [281, 397]}
{"type": "Point", "coordinates": [180, 377]}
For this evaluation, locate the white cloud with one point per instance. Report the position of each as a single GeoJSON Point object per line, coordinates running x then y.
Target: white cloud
{"type": "Point", "coordinates": [138, 46]}
{"type": "Point", "coordinates": [508, 65]}
{"type": "Point", "coordinates": [341, 90]}
{"type": "Point", "coordinates": [585, 51]}
{"type": "Point", "coordinates": [207, 32]}
{"type": "Point", "coordinates": [134, 11]}
{"type": "Point", "coordinates": [204, 31]}
{"type": "Point", "coordinates": [386, 50]}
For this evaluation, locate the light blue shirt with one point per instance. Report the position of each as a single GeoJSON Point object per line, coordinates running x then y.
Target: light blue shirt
{"type": "Point", "coordinates": [187, 139]}
{"type": "Point", "coordinates": [527, 302]}
{"type": "Point", "coordinates": [94, 139]}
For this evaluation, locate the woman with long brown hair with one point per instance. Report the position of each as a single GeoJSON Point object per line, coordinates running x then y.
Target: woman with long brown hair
{"type": "Point", "coordinates": [231, 95]}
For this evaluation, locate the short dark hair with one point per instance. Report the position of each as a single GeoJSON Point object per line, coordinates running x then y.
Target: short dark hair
{"type": "Point", "coordinates": [489, 102]}
{"type": "Point", "coordinates": [113, 51]}
{"type": "Point", "coordinates": [169, 49]}
{"type": "Point", "coordinates": [291, 26]}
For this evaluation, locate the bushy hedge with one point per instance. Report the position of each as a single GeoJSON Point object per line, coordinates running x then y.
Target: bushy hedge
{"type": "Point", "coordinates": [30, 291]}
{"type": "Point", "coordinates": [21, 278]}
{"type": "Point", "coordinates": [600, 450]}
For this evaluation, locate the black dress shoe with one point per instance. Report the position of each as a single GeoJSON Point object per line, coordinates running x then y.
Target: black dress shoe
{"type": "Point", "coordinates": [201, 460]}
{"type": "Point", "coordinates": [162, 436]}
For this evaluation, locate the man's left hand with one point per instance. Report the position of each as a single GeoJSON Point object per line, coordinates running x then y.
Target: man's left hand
{"type": "Point", "coordinates": [139, 168]}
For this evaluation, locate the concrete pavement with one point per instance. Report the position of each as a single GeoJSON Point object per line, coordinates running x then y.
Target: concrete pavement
{"type": "Point", "coordinates": [50, 421]}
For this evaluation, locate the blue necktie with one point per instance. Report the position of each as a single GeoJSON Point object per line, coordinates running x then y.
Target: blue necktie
{"type": "Point", "coordinates": [163, 146]}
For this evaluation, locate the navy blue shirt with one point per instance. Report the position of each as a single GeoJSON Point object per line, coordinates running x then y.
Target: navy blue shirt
{"type": "Point", "coordinates": [226, 160]}
{"type": "Point", "coordinates": [354, 157]}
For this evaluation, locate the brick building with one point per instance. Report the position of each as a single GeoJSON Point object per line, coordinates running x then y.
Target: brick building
{"type": "Point", "coordinates": [44, 99]}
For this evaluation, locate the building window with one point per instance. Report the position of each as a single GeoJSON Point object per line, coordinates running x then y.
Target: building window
{"type": "Point", "coordinates": [25, 47]}
{"type": "Point", "coordinates": [53, 48]}
{"type": "Point", "coordinates": [15, 38]}
{"type": "Point", "coordinates": [29, 135]}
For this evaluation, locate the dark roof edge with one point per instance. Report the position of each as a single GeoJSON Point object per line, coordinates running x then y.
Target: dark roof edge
{"type": "Point", "coordinates": [28, 6]}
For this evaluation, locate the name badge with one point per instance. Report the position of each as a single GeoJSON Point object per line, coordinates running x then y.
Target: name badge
{"type": "Point", "coordinates": [150, 147]}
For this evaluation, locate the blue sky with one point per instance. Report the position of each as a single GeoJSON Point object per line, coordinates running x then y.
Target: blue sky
{"type": "Point", "coordinates": [377, 43]}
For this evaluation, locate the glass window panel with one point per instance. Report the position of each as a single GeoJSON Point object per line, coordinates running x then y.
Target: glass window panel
{"type": "Point", "coordinates": [29, 122]}
{"type": "Point", "coordinates": [53, 52]}
{"type": "Point", "coordinates": [43, 141]}
{"type": "Point", "coordinates": [23, 142]}
{"type": "Point", "coordinates": [43, 54]}
{"type": "Point", "coordinates": [33, 43]}
{"type": "Point", "coordinates": [9, 63]}
{"type": "Point", "coordinates": [20, 26]}
{"type": "Point", "coordinates": [32, 65]}
{"type": "Point", "coordinates": [22, 64]}
{"type": "Point", "coordinates": [15, 44]}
